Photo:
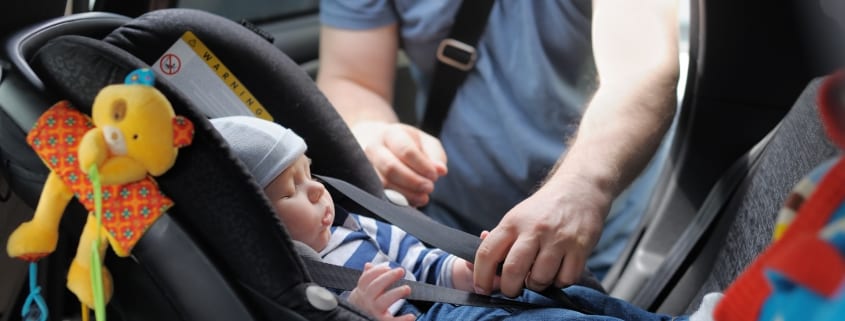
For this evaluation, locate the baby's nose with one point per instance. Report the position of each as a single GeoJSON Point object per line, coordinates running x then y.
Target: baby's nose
{"type": "Point", "coordinates": [315, 191]}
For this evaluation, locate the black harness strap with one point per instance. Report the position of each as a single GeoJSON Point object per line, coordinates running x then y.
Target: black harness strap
{"type": "Point", "coordinates": [456, 242]}
{"type": "Point", "coordinates": [343, 278]}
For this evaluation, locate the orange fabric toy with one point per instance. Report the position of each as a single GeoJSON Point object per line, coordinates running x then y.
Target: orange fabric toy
{"type": "Point", "coordinates": [134, 134]}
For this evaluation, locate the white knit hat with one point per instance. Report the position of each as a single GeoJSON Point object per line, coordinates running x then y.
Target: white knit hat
{"type": "Point", "coordinates": [266, 148]}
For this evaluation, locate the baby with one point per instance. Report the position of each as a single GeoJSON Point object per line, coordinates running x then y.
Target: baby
{"type": "Point", "coordinates": [275, 156]}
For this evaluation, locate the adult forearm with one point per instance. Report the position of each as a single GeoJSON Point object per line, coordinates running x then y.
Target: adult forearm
{"type": "Point", "coordinates": [545, 239]}
{"type": "Point", "coordinates": [635, 46]}
{"type": "Point", "coordinates": [614, 144]}
{"type": "Point", "coordinates": [355, 102]}
{"type": "Point", "coordinates": [357, 68]}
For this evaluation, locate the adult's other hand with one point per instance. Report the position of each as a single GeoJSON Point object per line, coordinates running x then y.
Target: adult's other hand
{"type": "Point", "coordinates": [406, 159]}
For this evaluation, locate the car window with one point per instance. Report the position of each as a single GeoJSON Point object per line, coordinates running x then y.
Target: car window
{"type": "Point", "coordinates": [252, 10]}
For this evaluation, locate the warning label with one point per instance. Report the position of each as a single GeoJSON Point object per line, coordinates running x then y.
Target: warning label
{"type": "Point", "coordinates": [198, 73]}
{"type": "Point", "coordinates": [170, 64]}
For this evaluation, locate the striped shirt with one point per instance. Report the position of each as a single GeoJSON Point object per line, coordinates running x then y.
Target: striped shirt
{"type": "Point", "coordinates": [362, 239]}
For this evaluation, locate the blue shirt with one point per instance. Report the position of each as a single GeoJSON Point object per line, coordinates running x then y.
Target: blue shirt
{"type": "Point", "coordinates": [512, 116]}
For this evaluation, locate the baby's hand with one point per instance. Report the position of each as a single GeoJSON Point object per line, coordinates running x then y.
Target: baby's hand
{"type": "Point", "coordinates": [374, 295]}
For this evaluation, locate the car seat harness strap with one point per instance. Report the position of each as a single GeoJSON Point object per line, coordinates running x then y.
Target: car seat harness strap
{"type": "Point", "coordinates": [343, 278]}
{"type": "Point", "coordinates": [456, 242]}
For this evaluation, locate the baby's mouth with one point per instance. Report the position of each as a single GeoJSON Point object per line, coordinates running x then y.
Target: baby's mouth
{"type": "Point", "coordinates": [328, 216]}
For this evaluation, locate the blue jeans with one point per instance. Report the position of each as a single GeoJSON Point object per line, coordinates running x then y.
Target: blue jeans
{"type": "Point", "coordinates": [605, 307]}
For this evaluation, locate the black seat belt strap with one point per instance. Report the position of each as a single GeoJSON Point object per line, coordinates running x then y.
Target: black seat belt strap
{"type": "Point", "coordinates": [456, 56]}
{"type": "Point", "coordinates": [454, 241]}
{"type": "Point", "coordinates": [681, 256]}
{"type": "Point", "coordinates": [414, 222]}
{"type": "Point", "coordinates": [343, 278]}
{"type": "Point", "coordinates": [346, 279]}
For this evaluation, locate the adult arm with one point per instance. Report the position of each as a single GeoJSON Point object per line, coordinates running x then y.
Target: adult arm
{"type": "Point", "coordinates": [357, 70]}
{"type": "Point", "coordinates": [546, 238]}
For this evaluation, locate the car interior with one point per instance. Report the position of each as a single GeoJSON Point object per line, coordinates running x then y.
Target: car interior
{"type": "Point", "coordinates": [745, 133]}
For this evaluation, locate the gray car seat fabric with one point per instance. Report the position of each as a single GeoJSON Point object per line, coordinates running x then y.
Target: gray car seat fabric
{"type": "Point", "coordinates": [798, 145]}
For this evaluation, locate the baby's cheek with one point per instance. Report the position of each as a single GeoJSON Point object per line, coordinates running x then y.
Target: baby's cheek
{"type": "Point", "coordinates": [297, 234]}
{"type": "Point", "coordinates": [285, 221]}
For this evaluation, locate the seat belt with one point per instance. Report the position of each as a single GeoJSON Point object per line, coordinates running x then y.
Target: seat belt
{"type": "Point", "coordinates": [679, 257]}
{"type": "Point", "coordinates": [414, 222]}
{"type": "Point", "coordinates": [343, 278]}
{"type": "Point", "coordinates": [456, 56]}
{"type": "Point", "coordinates": [454, 241]}
{"type": "Point", "coordinates": [346, 279]}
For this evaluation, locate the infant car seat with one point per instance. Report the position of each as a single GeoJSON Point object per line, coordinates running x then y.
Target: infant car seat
{"type": "Point", "coordinates": [220, 253]}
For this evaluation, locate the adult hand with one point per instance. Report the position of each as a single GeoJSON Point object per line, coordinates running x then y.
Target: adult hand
{"type": "Point", "coordinates": [406, 159]}
{"type": "Point", "coordinates": [543, 241]}
{"type": "Point", "coordinates": [462, 273]}
{"type": "Point", "coordinates": [374, 295]}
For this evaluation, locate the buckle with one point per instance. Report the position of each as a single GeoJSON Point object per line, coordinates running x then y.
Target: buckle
{"type": "Point", "coordinates": [456, 54]}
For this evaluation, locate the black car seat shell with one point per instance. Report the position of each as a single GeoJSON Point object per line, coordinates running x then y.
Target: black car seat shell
{"type": "Point", "coordinates": [220, 253]}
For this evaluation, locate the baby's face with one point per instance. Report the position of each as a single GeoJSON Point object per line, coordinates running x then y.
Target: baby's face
{"type": "Point", "coordinates": [303, 204]}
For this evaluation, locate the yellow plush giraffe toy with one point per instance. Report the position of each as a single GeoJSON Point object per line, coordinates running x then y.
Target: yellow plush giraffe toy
{"type": "Point", "coordinates": [133, 134]}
